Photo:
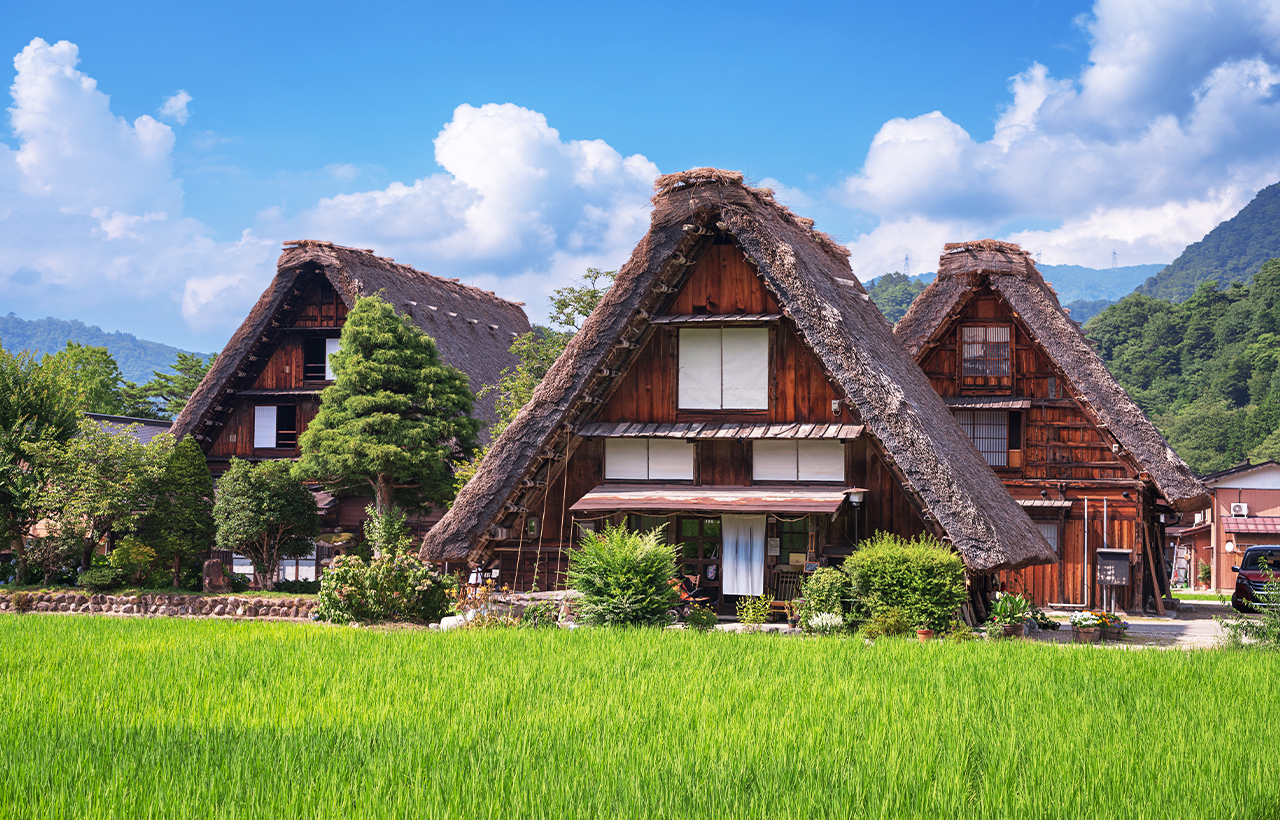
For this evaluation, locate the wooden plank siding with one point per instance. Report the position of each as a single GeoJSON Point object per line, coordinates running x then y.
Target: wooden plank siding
{"type": "Point", "coordinates": [1063, 453]}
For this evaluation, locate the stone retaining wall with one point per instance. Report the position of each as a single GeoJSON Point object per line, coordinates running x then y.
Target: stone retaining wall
{"type": "Point", "coordinates": [222, 606]}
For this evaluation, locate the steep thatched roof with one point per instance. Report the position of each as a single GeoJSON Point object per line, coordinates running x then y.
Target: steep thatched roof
{"type": "Point", "coordinates": [809, 276]}
{"type": "Point", "coordinates": [472, 328]}
{"type": "Point", "coordinates": [1010, 272]}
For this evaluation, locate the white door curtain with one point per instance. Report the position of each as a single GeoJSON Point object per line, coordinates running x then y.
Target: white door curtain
{"type": "Point", "coordinates": [743, 554]}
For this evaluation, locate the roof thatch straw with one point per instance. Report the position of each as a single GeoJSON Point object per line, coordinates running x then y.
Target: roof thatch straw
{"type": "Point", "coordinates": [1010, 272]}
{"type": "Point", "coordinates": [809, 275]}
{"type": "Point", "coordinates": [472, 328]}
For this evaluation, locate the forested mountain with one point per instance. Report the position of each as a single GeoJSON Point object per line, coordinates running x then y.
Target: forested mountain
{"type": "Point", "coordinates": [1232, 252]}
{"type": "Point", "coordinates": [1206, 370]}
{"type": "Point", "coordinates": [1076, 283]}
{"type": "Point", "coordinates": [136, 357]}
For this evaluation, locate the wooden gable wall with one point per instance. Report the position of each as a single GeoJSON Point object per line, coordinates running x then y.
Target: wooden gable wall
{"type": "Point", "coordinates": [1059, 440]}
{"type": "Point", "coordinates": [323, 313]}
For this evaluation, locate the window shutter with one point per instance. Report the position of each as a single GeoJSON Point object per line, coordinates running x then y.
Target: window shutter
{"type": "Point", "coordinates": [745, 363]}
{"type": "Point", "coordinates": [331, 346]}
{"type": "Point", "coordinates": [670, 459]}
{"type": "Point", "coordinates": [820, 460]}
{"type": "Point", "coordinates": [626, 458]}
{"type": "Point", "coordinates": [264, 426]}
{"type": "Point", "coordinates": [773, 460]}
{"type": "Point", "coordinates": [699, 369]}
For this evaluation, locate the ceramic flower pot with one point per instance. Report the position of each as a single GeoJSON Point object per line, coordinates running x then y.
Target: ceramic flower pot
{"type": "Point", "coordinates": [924, 635]}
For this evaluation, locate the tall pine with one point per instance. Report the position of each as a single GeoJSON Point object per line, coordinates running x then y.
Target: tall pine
{"type": "Point", "coordinates": [180, 525]}
{"type": "Point", "coordinates": [396, 418]}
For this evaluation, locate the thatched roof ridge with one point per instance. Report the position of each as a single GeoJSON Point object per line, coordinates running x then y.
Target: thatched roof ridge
{"type": "Point", "coordinates": [1012, 273]}
{"type": "Point", "coordinates": [810, 278]}
{"type": "Point", "coordinates": [472, 328]}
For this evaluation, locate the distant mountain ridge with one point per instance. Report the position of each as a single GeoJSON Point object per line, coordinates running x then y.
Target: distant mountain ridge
{"type": "Point", "coordinates": [137, 357]}
{"type": "Point", "coordinates": [1232, 252]}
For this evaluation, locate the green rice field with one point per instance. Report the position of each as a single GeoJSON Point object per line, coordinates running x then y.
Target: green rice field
{"type": "Point", "coordinates": [134, 718]}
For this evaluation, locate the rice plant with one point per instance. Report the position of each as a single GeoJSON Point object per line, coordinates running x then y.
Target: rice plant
{"type": "Point", "coordinates": [125, 718]}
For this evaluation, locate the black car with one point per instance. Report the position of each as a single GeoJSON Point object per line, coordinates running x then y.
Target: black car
{"type": "Point", "coordinates": [1251, 578]}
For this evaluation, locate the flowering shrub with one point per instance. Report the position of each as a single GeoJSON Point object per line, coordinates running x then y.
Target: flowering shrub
{"type": "Point", "coordinates": [1111, 620]}
{"type": "Point", "coordinates": [826, 623]}
{"type": "Point", "coordinates": [702, 618]}
{"type": "Point", "coordinates": [394, 586]}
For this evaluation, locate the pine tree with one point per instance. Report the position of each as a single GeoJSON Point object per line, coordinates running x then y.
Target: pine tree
{"type": "Point", "coordinates": [180, 525]}
{"type": "Point", "coordinates": [396, 419]}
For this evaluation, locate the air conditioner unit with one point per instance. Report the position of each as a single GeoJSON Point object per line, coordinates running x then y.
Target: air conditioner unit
{"type": "Point", "coordinates": [1239, 510]}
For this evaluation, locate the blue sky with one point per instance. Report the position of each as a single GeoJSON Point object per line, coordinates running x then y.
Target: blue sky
{"type": "Point", "coordinates": [156, 155]}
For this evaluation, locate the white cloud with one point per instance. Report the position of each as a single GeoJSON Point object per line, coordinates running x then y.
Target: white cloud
{"type": "Point", "coordinates": [1168, 130]}
{"type": "Point", "coordinates": [517, 209]}
{"type": "Point", "coordinates": [91, 223]}
{"type": "Point", "coordinates": [175, 107]}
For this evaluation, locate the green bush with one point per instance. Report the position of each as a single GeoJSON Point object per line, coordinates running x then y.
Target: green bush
{"type": "Point", "coordinates": [101, 579]}
{"type": "Point", "coordinates": [920, 577]}
{"type": "Point", "coordinates": [826, 590]}
{"type": "Point", "coordinates": [887, 621]}
{"type": "Point", "coordinates": [624, 577]}
{"type": "Point", "coordinates": [540, 615]}
{"type": "Point", "coordinates": [297, 587]}
{"type": "Point", "coordinates": [702, 618]}
{"type": "Point", "coordinates": [754, 610]}
{"type": "Point", "coordinates": [134, 559]}
{"type": "Point", "coordinates": [394, 586]}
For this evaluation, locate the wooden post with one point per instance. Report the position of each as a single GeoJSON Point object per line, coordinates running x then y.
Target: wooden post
{"type": "Point", "coordinates": [1154, 583]}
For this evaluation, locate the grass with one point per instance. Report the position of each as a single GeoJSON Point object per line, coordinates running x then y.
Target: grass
{"type": "Point", "coordinates": [1201, 596]}
{"type": "Point", "coordinates": [168, 718]}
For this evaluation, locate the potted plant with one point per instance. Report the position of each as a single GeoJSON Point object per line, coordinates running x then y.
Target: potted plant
{"type": "Point", "coordinates": [1010, 613]}
{"type": "Point", "coordinates": [1113, 626]}
{"type": "Point", "coordinates": [793, 612]}
{"type": "Point", "coordinates": [924, 634]}
{"type": "Point", "coordinates": [1086, 627]}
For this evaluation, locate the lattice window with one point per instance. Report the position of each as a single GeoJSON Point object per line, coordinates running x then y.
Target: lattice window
{"type": "Point", "coordinates": [985, 350]}
{"type": "Point", "coordinates": [1049, 529]}
{"type": "Point", "coordinates": [989, 432]}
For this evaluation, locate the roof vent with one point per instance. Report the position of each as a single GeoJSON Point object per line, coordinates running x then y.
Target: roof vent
{"type": "Point", "coordinates": [1239, 510]}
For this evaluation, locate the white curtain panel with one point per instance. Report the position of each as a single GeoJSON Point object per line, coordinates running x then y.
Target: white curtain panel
{"type": "Point", "coordinates": [670, 459]}
{"type": "Point", "coordinates": [264, 426]}
{"type": "Point", "coordinates": [626, 458]}
{"type": "Point", "coordinates": [743, 554]}
{"type": "Point", "coordinates": [745, 368]}
{"type": "Point", "coordinates": [699, 387]}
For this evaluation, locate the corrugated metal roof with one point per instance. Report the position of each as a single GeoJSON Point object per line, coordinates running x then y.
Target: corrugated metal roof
{"type": "Point", "coordinates": [697, 430]}
{"type": "Point", "coordinates": [1051, 503]}
{"type": "Point", "coordinates": [680, 497]}
{"type": "Point", "coordinates": [715, 319]}
{"type": "Point", "coordinates": [988, 402]}
{"type": "Point", "coordinates": [1269, 525]}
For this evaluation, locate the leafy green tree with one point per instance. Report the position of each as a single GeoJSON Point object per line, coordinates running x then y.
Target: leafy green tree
{"type": "Point", "coordinates": [263, 513]}
{"type": "Point", "coordinates": [894, 292]}
{"type": "Point", "coordinates": [535, 352]}
{"type": "Point", "coordinates": [98, 382]}
{"type": "Point", "coordinates": [100, 480]}
{"type": "Point", "coordinates": [38, 409]}
{"type": "Point", "coordinates": [180, 524]}
{"type": "Point", "coordinates": [173, 390]}
{"type": "Point", "coordinates": [396, 418]}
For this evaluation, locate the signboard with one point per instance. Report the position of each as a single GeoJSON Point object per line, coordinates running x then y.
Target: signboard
{"type": "Point", "coordinates": [1112, 567]}
{"type": "Point", "coordinates": [775, 546]}
{"type": "Point", "coordinates": [810, 566]}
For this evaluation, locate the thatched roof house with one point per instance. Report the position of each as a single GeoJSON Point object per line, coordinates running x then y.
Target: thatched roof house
{"type": "Point", "coordinates": [315, 284]}
{"type": "Point", "coordinates": [965, 269]}
{"type": "Point", "coordinates": [878, 394]}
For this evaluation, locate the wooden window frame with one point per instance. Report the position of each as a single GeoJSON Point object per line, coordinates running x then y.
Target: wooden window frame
{"type": "Point", "coordinates": [988, 383]}
{"type": "Point", "coordinates": [711, 413]}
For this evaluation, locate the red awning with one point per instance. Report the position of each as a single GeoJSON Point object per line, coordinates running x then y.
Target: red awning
{"type": "Point", "coordinates": [1269, 525]}
{"type": "Point", "coordinates": [680, 497]}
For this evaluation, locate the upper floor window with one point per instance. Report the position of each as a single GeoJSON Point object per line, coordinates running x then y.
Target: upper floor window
{"type": "Point", "coordinates": [1050, 530]}
{"type": "Point", "coordinates": [315, 359]}
{"type": "Point", "coordinates": [788, 460]}
{"type": "Point", "coordinates": [648, 459]}
{"type": "Point", "coordinates": [275, 427]}
{"type": "Point", "coordinates": [985, 350]}
{"type": "Point", "coordinates": [724, 368]}
{"type": "Point", "coordinates": [996, 433]}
